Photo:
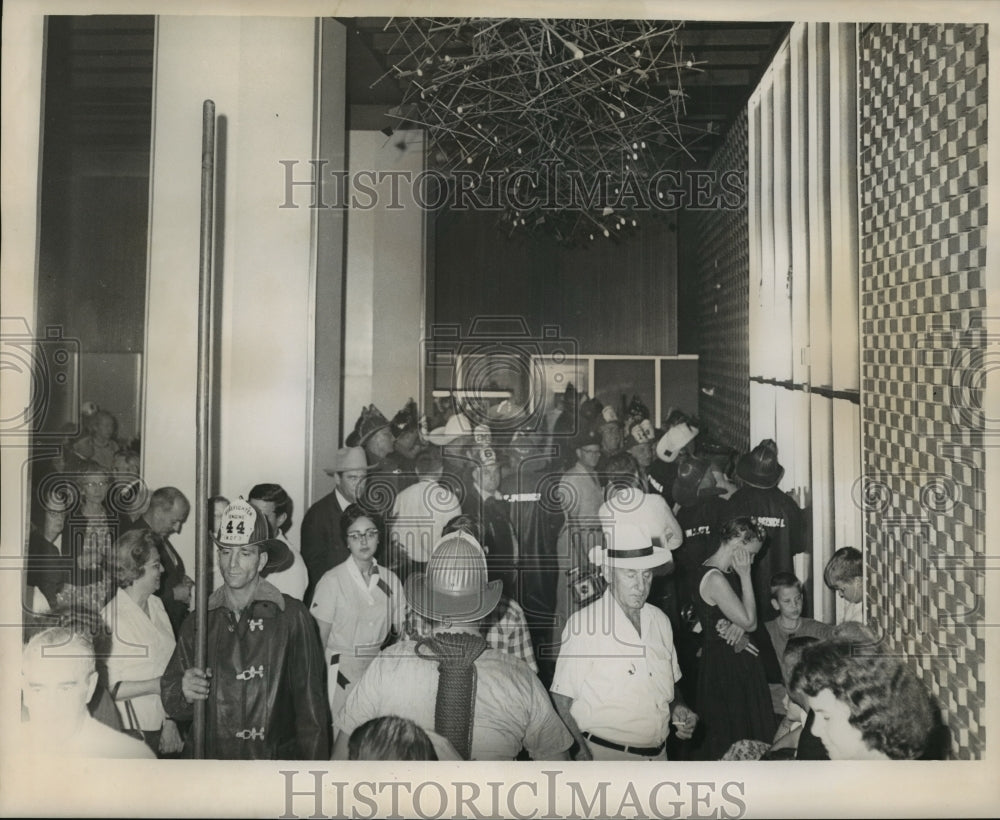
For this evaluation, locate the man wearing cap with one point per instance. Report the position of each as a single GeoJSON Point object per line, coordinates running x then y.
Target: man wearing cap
{"type": "Point", "coordinates": [487, 703]}
{"type": "Point", "coordinates": [609, 428]}
{"type": "Point", "coordinates": [580, 497]}
{"type": "Point", "coordinates": [263, 681]}
{"type": "Point", "coordinates": [759, 498]}
{"type": "Point", "coordinates": [615, 679]}
{"type": "Point", "coordinates": [526, 481]}
{"type": "Point", "coordinates": [484, 502]}
{"type": "Point", "coordinates": [372, 432]}
{"type": "Point", "coordinates": [639, 438]}
{"type": "Point", "coordinates": [407, 445]}
{"type": "Point", "coordinates": [391, 449]}
{"type": "Point", "coordinates": [323, 544]}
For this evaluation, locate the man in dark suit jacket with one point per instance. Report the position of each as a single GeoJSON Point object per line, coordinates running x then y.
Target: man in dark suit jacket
{"type": "Point", "coordinates": [168, 510]}
{"type": "Point", "coordinates": [323, 545]}
{"type": "Point", "coordinates": [485, 503]}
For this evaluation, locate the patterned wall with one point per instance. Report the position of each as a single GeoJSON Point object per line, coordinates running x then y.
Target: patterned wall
{"type": "Point", "coordinates": [715, 254]}
{"type": "Point", "coordinates": [922, 172]}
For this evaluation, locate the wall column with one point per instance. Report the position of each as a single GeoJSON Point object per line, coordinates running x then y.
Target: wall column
{"type": "Point", "coordinates": [262, 74]}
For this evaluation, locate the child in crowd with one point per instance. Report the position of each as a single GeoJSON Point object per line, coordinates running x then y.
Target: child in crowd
{"type": "Point", "coordinates": [786, 598]}
{"type": "Point", "coordinates": [843, 574]}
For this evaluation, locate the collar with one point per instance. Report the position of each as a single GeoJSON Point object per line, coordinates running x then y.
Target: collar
{"type": "Point", "coordinates": [643, 613]}
{"type": "Point", "coordinates": [341, 500]}
{"type": "Point", "coordinates": [355, 572]}
{"type": "Point", "coordinates": [266, 591]}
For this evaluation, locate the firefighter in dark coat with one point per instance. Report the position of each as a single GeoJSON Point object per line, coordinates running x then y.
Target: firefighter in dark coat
{"type": "Point", "coordinates": [264, 686]}
{"type": "Point", "coordinates": [760, 499]}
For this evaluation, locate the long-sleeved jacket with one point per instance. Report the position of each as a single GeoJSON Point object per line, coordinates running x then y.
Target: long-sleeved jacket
{"type": "Point", "coordinates": [267, 697]}
{"type": "Point", "coordinates": [321, 544]}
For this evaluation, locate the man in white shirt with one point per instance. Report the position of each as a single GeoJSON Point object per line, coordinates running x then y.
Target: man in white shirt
{"type": "Point", "coordinates": [58, 678]}
{"type": "Point", "coordinates": [614, 680]}
{"type": "Point", "coordinates": [419, 514]}
{"type": "Point", "coordinates": [276, 506]}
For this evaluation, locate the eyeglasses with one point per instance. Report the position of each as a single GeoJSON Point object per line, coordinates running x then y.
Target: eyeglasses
{"type": "Point", "coordinates": [358, 537]}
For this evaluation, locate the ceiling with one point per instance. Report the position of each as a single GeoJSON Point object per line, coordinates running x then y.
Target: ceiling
{"type": "Point", "coordinates": [732, 56]}
{"type": "Point", "coordinates": [105, 63]}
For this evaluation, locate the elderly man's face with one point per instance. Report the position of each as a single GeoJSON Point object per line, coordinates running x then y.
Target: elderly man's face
{"type": "Point", "coordinates": [630, 587]}
{"type": "Point", "coordinates": [169, 521]}
{"type": "Point", "coordinates": [57, 689]}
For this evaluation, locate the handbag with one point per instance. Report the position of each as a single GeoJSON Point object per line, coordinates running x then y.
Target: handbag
{"type": "Point", "coordinates": [132, 729]}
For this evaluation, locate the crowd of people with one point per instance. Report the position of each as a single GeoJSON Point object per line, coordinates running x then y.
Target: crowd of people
{"type": "Point", "coordinates": [471, 588]}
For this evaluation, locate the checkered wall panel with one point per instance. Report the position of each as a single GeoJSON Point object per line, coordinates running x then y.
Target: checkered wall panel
{"type": "Point", "coordinates": [922, 178]}
{"type": "Point", "coordinates": [719, 258]}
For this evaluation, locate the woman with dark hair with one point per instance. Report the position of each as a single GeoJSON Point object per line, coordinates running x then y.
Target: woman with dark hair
{"type": "Point", "coordinates": [867, 705]}
{"type": "Point", "coordinates": [358, 606]}
{"type": "Point", "coordinates": [46, 570]}
{"type": "Point", "coordinates": [142, 641]}
{"type": "Point", "coordinates": [734, 701]}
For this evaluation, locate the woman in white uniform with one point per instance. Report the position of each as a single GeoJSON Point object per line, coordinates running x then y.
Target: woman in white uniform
{"type": "Point", "coordinates": [358, 605]}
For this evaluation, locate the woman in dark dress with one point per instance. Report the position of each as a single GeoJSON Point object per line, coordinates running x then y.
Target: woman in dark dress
{"type": "Point", "coordinates": [734, 702]}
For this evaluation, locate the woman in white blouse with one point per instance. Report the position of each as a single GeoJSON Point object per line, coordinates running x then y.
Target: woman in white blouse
{"type": "Point", "coordinates": [142, 641]}
{"type": "Point", "coordinates": [356, 605]}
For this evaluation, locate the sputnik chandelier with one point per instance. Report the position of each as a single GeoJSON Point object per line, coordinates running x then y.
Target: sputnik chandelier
{"type": "Point", "coordinates": [561, 126]}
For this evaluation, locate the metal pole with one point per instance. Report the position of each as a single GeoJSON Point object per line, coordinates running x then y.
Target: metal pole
{"type": "Point", "coordinates": [206, 290]}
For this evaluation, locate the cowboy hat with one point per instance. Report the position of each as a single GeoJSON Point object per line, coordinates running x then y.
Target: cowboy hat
{"type": "Point", "coordinates": [348, 458]}
{"type": "Point", "coordinates": [627, 547]}
{"type": "Point", "coordinates": [456, 427]}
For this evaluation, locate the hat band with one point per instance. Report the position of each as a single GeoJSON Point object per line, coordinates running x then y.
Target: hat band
{"type": "Point", "coordinates": [638, 553]}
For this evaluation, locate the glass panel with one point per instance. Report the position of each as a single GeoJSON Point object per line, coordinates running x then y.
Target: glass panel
{"type": "Point", "coordinates": [93, 233]}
